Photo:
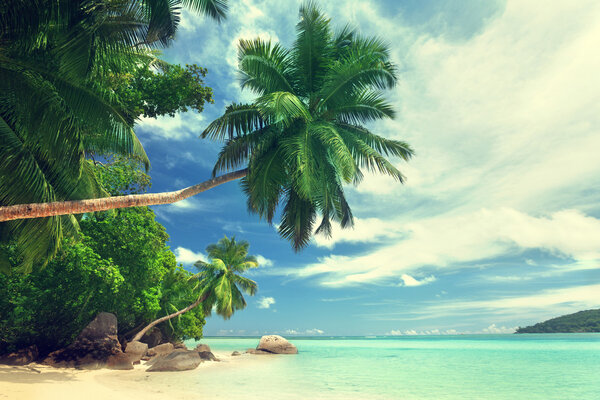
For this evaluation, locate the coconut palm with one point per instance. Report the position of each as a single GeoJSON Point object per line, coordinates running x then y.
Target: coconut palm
{"type": "Point", "coordinates": [219, 282]}
{"type": "Point", "coordinates": [56, 106]}
{"type": "Point", "coordinates": [302, 139]}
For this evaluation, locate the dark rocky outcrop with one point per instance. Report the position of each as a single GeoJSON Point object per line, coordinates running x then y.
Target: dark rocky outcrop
{"type": "Point", "coordinates": [276, 344]}
{"type": "Point", "coordinates": [21, 357]}
{"type": "Point", "coordinates": [92, 348]}
{"type": "Point", "coordinates": [152, 338]}
{"type": "Point", "coordinates": [178, 360]}
{"type": "Point", "coordinates": [207, 356]}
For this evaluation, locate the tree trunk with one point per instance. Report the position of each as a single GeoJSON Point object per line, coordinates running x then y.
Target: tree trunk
{"type": "Point", "coordinates": [39, 210]}
{"type": "Point", "coordinates": [152, 324]}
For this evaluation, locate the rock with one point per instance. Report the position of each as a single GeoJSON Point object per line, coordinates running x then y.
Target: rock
{"type": "Point", "coordinates": [255, 351]}
{"type": "Point", "coordinates": [180, 345]}
{"type": "Point", "coordinates": [236, 353]}
{"type": "Point", "coordinates": [202, 347]}
{"type": "Point", "coordinates": [152, 338]}
{"type": "Point", "coordinates": [136, 350]}
{"type": "Point", "coordinates": [21, 357]}
{"type": "Point", "coordinates": [161, 349]}
{"type": "Point", "coordinates": [276, 344]}
{"type": "Point", "coordinates": [207, 356]}
{"type": "Point", "coordinates": [176, 361]}
{"type": "Point", "coordinates": [120, 361]}
{"type": "Point", "coordinates": [92, 347]}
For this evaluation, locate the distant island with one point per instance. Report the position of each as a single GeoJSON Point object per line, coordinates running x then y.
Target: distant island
{"type": "Point", "coordinates": [582, 321]}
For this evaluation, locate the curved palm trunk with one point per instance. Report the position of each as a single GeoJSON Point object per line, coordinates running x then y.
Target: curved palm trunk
{"type": "Point", "coordinates": [152, 324]}
{"type": "Point", "coordinates": [39, 210]}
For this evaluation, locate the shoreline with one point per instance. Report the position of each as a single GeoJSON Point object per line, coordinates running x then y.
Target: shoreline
{"type": "Point", "coordinates": [38, 381]}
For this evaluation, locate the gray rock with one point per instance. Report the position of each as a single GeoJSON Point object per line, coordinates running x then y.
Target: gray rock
{"type": "Point", "coordinates": [21, 357]}
{"type": "Point", "coordinates": [105, 324]}
{"type": "Point", "coordinates": [202, 347]}
{"type": "Point", "coordinates": [121, 361]}
{"type": "Point", "coordinates": [160, 350]}
{"type": "Point", "coordinates": [207, 356]}
{"type": "Point", "coordinates": [236, 353]}
{"type": "Point", "coordinates": [276, 344]}
{"type": "Point", "coordinates": [176, 361]}
{"type": "Point", "coordinates": [255, 351]}
{"type": "Point", "coordinates": [152, 338]}
{"type": "Point", "coordinates": [136, 350]}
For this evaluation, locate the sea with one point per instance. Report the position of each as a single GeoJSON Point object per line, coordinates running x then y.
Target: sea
{"type": "Point", "coordinates": [527, 366]}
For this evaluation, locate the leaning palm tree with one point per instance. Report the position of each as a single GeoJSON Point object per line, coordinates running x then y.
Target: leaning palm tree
{"type": "Point", "coordinates": [55, 105]}
{"type": "Point", "coordinates": [301, 140]}
{"type": "Point", "coordinates": [219, 281]}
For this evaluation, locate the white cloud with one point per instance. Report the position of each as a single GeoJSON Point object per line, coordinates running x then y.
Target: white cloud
{"type": "Point", "coordinates": [264, 262]}
{"type": "Point", "coordinates": [182, 126]}
{"type": "Point", "coordinates": [455, 241]}
{"type": "Point", "coordinates": [187, 256]}
{"type": "Point", "coordinates": [309, 332]}
{"type": "Point", "coordinates": [495, 329]}
{"type": "Point", "coordinates": [183, 206]}
{"type": "Point", "coordinates": [408, 280]}
{"type": "Point", "coordinates": [266, 302]}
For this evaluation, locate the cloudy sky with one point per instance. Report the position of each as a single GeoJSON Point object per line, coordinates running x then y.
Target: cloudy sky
{"type": "Point", "coordinates": [498, 225]}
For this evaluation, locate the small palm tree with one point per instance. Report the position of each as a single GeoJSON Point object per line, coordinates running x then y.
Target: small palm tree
{"type": "Point", "coordinates": [219, 282]}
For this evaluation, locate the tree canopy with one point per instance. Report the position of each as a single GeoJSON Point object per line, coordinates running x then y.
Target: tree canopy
{"type": "Point", "coordinates": [305, 135]}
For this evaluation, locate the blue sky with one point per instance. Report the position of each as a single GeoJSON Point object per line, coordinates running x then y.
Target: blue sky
{"type": "Point", "coordinates": [498, 225]}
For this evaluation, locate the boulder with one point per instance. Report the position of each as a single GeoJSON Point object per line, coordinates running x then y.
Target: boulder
{"type": "Point", "coordinates": [180, 345]}
{"type": "Point", "coordinates": [160, 350]}
{"type": "Point", "coordinates": [153, 338]}
{"type": "Point", "coordinates": [120, 361]}
{"type": "Point", "coordinates": [202, 347]}
{"type": "Point", "coordinates": [276, 344]}
{"type": "Point", "coordinates": [236, 353]}
{"type": "Point", "coordinates": [207, 356]}
{"type": "Point", "coordinates": [254, 351]}
{"type": "Point", "coordinates": [176, 361]}
{"type": "Point", "coordinates": [21, 357]}
{"type": "Point", "coordinates": [136, 350]}
{"type": "Point", "coordinates": [92, 347]}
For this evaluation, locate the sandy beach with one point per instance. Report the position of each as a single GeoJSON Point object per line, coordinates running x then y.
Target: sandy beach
{"type": "Point", "coordinates": [37, 381]}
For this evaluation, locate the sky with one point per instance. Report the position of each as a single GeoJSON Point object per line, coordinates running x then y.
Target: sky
{"type": "Point", "coordinates": [498, 224]}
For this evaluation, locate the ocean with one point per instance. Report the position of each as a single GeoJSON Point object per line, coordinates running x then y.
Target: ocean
{"type": "Point", "coordinates": [546, 366]}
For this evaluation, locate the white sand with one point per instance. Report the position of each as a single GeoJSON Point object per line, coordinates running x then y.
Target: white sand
{"type": "Point", "coordinates": [37, 381]}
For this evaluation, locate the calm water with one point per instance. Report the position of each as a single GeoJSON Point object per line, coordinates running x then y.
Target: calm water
{"type": "Point", "coordinates": [552, 366]}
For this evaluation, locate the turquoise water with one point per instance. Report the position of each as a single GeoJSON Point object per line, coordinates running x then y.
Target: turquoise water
{"type": "Point", "coordinates": [550, 366]}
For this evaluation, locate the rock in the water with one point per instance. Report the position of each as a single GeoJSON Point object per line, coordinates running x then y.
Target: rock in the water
{"type": "Point", "coordinates": [276, 344]}
{"type": "Point", "coordinates": [207, 356]}
{"type": "Point", "coordinates": [236, 353]}
{"type": "Point", "coordinates": [254, 351]}
{"type": "Point", "coordinates": [160, 350]}
{"type": "Point", "coordinates": [21, 357]}
{"type": "Point", "coordinates": [92, 348]}
{"type": "Point", "coordinates": [120, 361]}
{"type": "Point", "coordinates": [202, 347]}
{"type": "Point", "coordinates": [176, 361]}
{"type": "Point", "coordinates": [136, 350]}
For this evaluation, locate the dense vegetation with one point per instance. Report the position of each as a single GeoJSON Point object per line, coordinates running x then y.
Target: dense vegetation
{"type": "Point", "coordinates": [120, 264]}
{"type": "Point", "coordinates": [582, 321]}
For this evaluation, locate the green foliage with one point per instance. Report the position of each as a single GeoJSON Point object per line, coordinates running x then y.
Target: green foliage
{"type": "Point", "coordinates": [304, 138]}
{"type": "Point", "coordinates": [121, 264]}
{"type": "Point", "coordinates": [56, 60]}
{"type": "Point", "coordinates": [220, 279]}
{"type": "Point", "coordinates": [151, 92]}
{"type": "Point", "coordinates": [582, 321]}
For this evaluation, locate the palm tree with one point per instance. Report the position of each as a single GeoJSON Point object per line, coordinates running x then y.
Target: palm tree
{"type": "Point", "coordinates": [302, 139]}
{"type": "Point", "coordinates": [55, 105]}
{"type": "Point", "coordinates": [219, 281]}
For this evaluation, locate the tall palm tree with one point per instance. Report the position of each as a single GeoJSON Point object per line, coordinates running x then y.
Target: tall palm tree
{"type": "Point", "coordinates": [219, 282]}
{"type": "Point", "coordinates": [55, 58]}
{"type": "Point", "coordinates": [302, 139]}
